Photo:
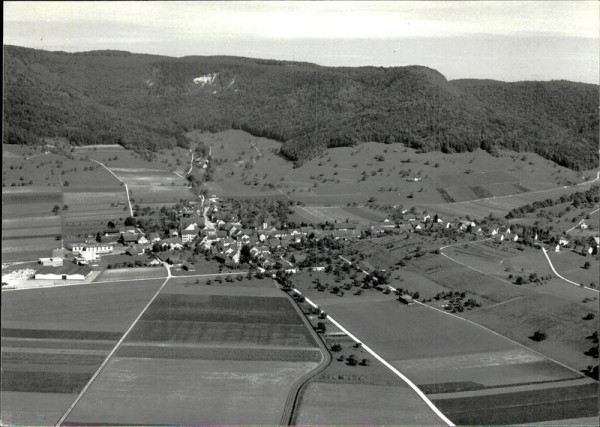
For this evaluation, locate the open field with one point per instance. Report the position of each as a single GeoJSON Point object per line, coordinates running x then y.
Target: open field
{"type": "Point", "coordinates": [222, 319]}
{"type": "Point", "coordinates": [571, 265]}
{"type": "Point", "coordinates": [321, 214]}
{"type": "Point", "coordinates": [499, 205]}
{"type": "Point", "coordinates": [107, 307]}
{"type": "Point", "coordinates": [209, 343]}
{"type": "Point", "coordinates": [25, 408]}
{"type": "Point", "coordinates": [526, 406]}
{"type": "Point", "coordinates": [26, 249]}
{"type": "Point", "coordinates": [142, 391]}
{"type": "Point", "coordinates": [515, 311]}
{"type": "Point", "coordinates": [29, 226]}
{"type": "Point", "coordinates": [458, 356]}
{"type": "Point", "coordinates": [349, 404]}
{"type": "Point", "coordinates": [53, 340]}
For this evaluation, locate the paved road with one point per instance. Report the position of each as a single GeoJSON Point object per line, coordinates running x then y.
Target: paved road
{"type": "Point", "coordinates": [396, 372]}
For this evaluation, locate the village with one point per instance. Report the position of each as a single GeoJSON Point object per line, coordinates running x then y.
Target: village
{"type": "Point", "coordinates": [210, 230]}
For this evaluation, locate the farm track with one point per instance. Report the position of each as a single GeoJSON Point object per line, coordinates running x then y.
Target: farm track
{"type": "Point", "coordinates": [293, 400]}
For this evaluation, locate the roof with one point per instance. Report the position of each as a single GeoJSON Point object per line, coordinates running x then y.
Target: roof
{"type": "Point", "coordinates": [68, 269]}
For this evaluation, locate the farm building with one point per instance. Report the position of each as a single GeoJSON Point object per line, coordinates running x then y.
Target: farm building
{"type": "Point", "coordinates": [130, 238]}
{"type": "Point", "coordinates": [67, 272]}
{"type": "Point", "coordinates": [189, 267]}
{"type": "Point", "coordinates": [175, 261]}
{"type": "Point", "coordinates": [406, 299]}
{"type": "Point", "coordinates": [89, 251]}
{"type": "Point", "coordinates": [52, 262]}
{"type": "Point", "coordinates": [154, 237]}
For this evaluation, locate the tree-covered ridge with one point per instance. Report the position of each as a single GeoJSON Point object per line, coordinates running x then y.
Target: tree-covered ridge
{"type": "Point", "coordinates": [145, 101]}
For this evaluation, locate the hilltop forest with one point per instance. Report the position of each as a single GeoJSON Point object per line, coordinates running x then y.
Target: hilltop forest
{"type": "Point", "coordinates": [147, 102]}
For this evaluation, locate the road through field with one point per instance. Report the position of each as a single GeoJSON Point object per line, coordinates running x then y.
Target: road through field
{"type": "Point", "coordinates": [574, 370]}
{"type": "Point", "coordinates": [562, 277]}
{"type": "Point", "coordinates": [396, 372]}
{"type": "Point", "coordinates": [121, 181]}
{"type": "Point", "coordinates": [114, 350]}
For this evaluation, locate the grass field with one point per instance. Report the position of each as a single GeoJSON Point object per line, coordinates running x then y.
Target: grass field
{"type": "Point", "coordinates": [571, 265]}
{"type": "Point", "coordinates": [499, 205]}
{"type": "Point", "coordinates": [444, 354]}
{"type": "Point", "coordinates": [25, 408]}
{"type": "Point", "coordinates": [142, 391]}
{"type": "Point", "coordinates": [322, 214]}
{"type": "Point", "coordinates": [365, 404]}
{"type": "Point", "coordinates": [526, 406]}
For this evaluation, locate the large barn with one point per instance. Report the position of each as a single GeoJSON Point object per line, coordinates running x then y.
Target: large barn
{"type": "Point", "coordinates": [66, 272]}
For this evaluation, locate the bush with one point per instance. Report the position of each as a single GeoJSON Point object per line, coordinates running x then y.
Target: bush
{"type": "Point", "coordinates": [538, 336]}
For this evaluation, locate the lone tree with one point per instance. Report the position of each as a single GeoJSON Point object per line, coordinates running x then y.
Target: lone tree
{"type": "Point", "coordinates": [538, 336]}
{"type": "Point", "coordinates": [351, 360]}
{"type": "Point", "coordinates": [245, 255]}
{"type": "Point", "coordinates": [56, 208]}
{"type": "Point", "coordinates": [587, 265]}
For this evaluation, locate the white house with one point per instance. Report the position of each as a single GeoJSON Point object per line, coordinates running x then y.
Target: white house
{"type": "Point", "coordinates": [563, 242]}
{"type": "Point", "coordinates": [91, 251]}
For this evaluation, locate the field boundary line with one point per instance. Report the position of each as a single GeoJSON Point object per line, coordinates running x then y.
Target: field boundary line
{"type": "Point", "coordinates": [474, 269]}
{"type": "Point", "coordinates": [484, 199]}
{"type": "Point", "coordinates": [121, 181]}
{"type": "Point", "coordinates": [498, 334]}
{"type": "Point", "coordinates": [112, 352]}
{"type": "Point", "coordinates": [399, 374]}
{"type": "Point", "coordinates": [125, 280]}
{"type": "Point", "coordinates": [564, 278]}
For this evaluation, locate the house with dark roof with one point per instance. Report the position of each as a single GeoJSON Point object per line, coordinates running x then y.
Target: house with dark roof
{"type": "Point", "coordinates": [129, 238]}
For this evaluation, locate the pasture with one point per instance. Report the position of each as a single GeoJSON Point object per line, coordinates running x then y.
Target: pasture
{"type": "Point", "coordinates": [244, 164]}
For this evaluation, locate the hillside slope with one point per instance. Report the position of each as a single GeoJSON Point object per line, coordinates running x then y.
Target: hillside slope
{"type": "Point", "coordinates": [145, 101]}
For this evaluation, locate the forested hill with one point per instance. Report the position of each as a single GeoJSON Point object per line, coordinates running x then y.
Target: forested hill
{"type": "Point", "coordinates": [146, 101]}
